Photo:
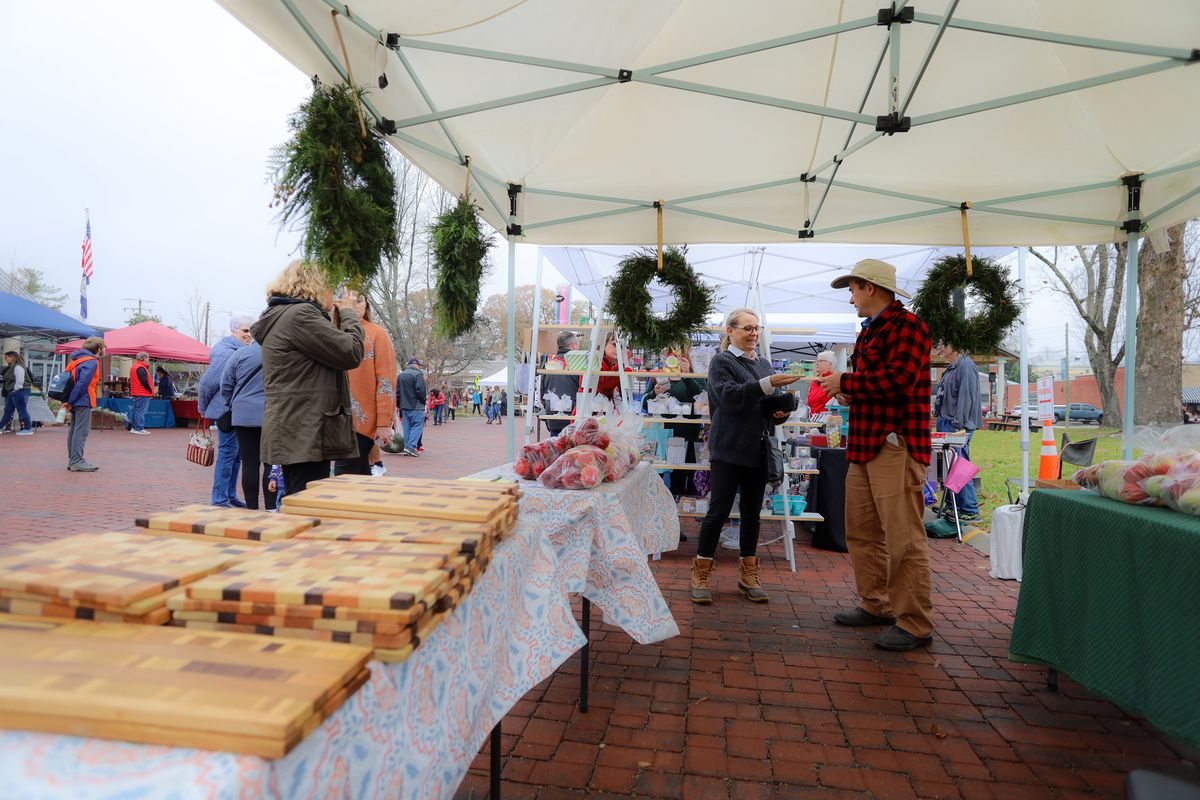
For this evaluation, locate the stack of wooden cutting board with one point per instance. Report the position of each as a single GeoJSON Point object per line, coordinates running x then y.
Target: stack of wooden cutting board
{"type": "Point", "coordinates": [491, 506]}
{"type": "Point", "coordinates": [112, 577]}
{"type": "Point", "coordinates": [198, 522]}
{"type": "Point", "coordinates": [216, 691]}
{"type": "Point", "coordinates": [384, 596]}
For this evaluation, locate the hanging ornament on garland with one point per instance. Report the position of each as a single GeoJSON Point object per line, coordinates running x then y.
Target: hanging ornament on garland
{"type": "Point", "coordinates": [333, 179]}
{"type": "Point", "coordinates": [460, 247]}
{"type": "Point", "coordinates": [997, 309]}
{"type": "Point", "coordinates": [630, 305]}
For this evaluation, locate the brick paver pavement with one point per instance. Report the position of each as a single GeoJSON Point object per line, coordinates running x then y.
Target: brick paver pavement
{"type": "Point", "coordinates": [750, 701]}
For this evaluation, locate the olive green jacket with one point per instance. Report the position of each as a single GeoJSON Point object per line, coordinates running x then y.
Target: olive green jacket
{"type": "Point", "coordinates": [305, 359]}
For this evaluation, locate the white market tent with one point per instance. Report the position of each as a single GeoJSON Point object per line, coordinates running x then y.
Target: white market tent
{"type": "Point", "coordinates": [499, 378]}
{"type": "Point", "coordinates": [1052, 121]}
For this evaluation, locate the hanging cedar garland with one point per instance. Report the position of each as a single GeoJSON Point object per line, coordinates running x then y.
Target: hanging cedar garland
{"type": "Point", "coordinates": [334, 179]}
{"type": "Point", "coordinates": [460, 247]}
{"type": "Point", "coordinates": [630, 305]}
{"type": "Point", "coordinates": [980, 333]}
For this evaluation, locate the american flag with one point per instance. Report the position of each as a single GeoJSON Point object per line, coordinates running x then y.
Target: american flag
{"type": "Point", "coordinates": [87, 270]}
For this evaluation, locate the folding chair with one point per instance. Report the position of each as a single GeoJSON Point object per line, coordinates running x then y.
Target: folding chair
{"type": "Point", "coordinates": [1081, 454]}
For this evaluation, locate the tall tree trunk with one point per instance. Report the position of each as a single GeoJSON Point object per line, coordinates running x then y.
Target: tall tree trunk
{"type": "Point", "coordinates": [1160, 324]}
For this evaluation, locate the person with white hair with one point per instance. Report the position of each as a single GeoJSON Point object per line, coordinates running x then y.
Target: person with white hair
{"type": "Point", "coordinates": [817, 399]}
{"type": "Point", "coordinates": [213, 406]}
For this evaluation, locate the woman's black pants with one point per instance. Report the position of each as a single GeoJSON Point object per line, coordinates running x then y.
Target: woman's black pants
{"type": "Point", "coordinates": [254, 473]}
{"type": "Point", "coordinates": [355, 466]}
{"type": "Point", "coordinates": [726, 480]}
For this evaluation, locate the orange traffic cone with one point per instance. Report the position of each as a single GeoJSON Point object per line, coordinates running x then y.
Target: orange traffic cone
{"type": "Point", "coordinates": [1048, 468]}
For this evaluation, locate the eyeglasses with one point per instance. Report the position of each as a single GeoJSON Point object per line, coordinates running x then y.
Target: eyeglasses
{"type": "Point", "coordinates": [244, 330]}
{"type": "Point", "coordinates": [749, 329]}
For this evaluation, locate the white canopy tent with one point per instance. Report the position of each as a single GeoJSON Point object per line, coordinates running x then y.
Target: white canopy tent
{"type": "Point", "coordinates": [496, 379]}
{"type": "Point", "coordinates": [1038, 121]}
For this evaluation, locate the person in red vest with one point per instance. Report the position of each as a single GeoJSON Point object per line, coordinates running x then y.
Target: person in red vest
{"type": "Point", "coordinates": [141, 389]}
{"type": "Point", "coordinates": [84, 367]}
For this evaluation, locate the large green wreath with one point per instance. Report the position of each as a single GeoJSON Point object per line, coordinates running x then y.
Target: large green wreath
{"type": "Point", "coordinates": [980, 333]}
{"type": "Point", "coordinates": [460, 247]}
{"type": "Point", "coordinates": [339, 185]}
{"type": "Point", "coordinates": [629, 301]}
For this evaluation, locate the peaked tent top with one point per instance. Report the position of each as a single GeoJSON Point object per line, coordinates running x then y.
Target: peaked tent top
{"type": "Point", "coordinates": [159, 341]}
{"type": "Point", "coordinates": [776, 121]}
{"type": "Point", "coordinates": [22, 317]}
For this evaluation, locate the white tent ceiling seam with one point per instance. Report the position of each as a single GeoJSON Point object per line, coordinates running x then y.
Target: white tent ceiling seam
{"type": "Point", "coordinates": [973, 78]}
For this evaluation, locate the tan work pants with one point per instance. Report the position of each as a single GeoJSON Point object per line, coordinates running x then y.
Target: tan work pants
{"type": "Point", "coordinates": [885, 533]}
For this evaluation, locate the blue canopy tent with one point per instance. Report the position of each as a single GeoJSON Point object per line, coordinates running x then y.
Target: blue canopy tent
{"type": "Point", "coordinates": [21, 317]}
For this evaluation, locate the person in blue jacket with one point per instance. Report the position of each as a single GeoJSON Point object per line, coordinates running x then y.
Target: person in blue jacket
{"type": "Point", "coordinates": [212, 405]}
{"type": "Point", "coordinates": [84, 367]}
{"type": "Point", "coordinates": [243, 392]}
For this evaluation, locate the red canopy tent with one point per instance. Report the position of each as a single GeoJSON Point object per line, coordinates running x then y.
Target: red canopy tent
{"type": "Point", "coordinates": [159, 341]}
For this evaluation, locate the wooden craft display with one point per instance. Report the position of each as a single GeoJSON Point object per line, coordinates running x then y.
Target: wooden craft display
{"type": "Point", "coordinates": [169, 686]}
{"type": "Point", "coordinates": [228, 523]}
{"type": "Point", "coordinates": [385, 595]}
{"type": "Point", "coordinates": [126, 574]}
{"type": "Point", "coordinates": [493, 505]}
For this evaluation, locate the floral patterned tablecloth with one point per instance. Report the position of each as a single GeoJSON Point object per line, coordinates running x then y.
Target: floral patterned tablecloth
{"type": "Point", "coordinates": [413, 729]}
{"type": "Point", "coordinates": [602, 537]}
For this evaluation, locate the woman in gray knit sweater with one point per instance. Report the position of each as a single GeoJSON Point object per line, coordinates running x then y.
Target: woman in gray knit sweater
{"type": "Point", "coordinates": [739, 384]}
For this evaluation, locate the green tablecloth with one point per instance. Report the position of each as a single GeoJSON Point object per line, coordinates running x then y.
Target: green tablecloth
{"type": "Point", "coordinates": [1111, 597]}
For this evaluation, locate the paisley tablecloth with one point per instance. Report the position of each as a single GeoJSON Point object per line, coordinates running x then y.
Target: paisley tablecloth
{"type": "Point", "coordinates": [413, 729]}
{"type": "Point", "coordinates": [410, 732]}
{"type": "Point", "coordinates": [602, 537]}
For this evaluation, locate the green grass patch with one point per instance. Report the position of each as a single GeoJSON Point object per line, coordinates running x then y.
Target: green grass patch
{"type": "Point", "coordinates": [998, 454]}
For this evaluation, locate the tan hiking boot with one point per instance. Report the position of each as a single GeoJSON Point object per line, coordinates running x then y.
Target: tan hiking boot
{"type": "Point", "coordinates": [748, 580]}
{"type": "Point", "coordinates": [701, 569]}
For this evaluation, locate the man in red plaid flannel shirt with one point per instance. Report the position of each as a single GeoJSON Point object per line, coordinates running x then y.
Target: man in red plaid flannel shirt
{"type": "Point", "coordinates": [888, 392]}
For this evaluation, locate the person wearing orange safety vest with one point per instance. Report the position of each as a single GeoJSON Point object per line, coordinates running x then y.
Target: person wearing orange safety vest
{"type": "Point", "coordinates": [141, 389]}
{"type": "Point", "coordinates": [84, 367]}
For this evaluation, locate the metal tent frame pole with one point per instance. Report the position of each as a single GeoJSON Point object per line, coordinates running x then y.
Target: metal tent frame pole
{"type": "Point", "coordinates": [1024, 356]}
{"type": "Point", "coordinates": [530, 425]}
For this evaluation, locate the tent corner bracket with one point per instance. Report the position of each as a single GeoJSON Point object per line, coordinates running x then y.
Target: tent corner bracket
{"type": "Point", "coordinates": [624, 75]}
{"type": "Point", "coordinates": [392, 41]}
{"type": "Point", "coordinates": [893, 123]}
{"type": "Point", "coordinates": [888, 16]}
{"type": "Point", "coordinates": [806, 233]}
{"type": "Point", "coordinates": [386, 126]}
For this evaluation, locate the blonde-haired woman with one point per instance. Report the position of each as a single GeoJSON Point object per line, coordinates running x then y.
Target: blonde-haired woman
{"type": "Point", "coordinates": [739, 385]}
{"type": "Point", "coordinates": [306, 416]}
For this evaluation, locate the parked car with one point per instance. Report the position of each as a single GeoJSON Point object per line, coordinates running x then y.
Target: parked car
{"type": "Point", "coordinates": [1031, 411]}
{"type": "Point", "coordinates": [1082, 412]}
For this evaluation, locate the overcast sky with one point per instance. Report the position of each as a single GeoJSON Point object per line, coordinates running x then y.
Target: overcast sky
{"type": "Point", "coordinates": [159, 117]}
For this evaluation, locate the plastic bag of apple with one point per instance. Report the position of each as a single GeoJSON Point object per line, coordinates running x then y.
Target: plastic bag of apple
{"type": "Point", "coordinates": [1167, 474]}
{"type": "Point", "coordinates": [583, 456]}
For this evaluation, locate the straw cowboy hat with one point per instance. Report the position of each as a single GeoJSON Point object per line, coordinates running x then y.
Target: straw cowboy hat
{"type": "Point", "coordinates": [872, 270]}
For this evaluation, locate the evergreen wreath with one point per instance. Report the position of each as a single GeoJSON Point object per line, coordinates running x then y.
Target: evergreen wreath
{"type": "Point", "coordinates": [460, 247]}
{"type": "Point", "coordinates": [339, 186]}
{"type": "Point", "coordinates": [979, 333]}
{"type": "Point", "coordinates": [629, 302]}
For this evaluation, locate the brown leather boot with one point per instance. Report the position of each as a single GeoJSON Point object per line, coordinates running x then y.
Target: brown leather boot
{"type": "Point", "coordinates": [748, 580]}
{"type": "Point", "coordinates": [701, 569]}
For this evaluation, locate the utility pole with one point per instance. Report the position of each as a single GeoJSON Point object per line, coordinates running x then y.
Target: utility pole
{"type": "Point", "coordinates": [207, 311]}
{"type": "Point", "coordinates": [139, 301]}
{"type": "Point", "coordinates": [1067, 389]}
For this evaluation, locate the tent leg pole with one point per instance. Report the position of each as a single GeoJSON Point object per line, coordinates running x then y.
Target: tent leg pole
{"type": "Point", "coordinates": [511, 378]}
{"type": "Point", "coordinates": [1024, 395]}
{"type": "Point", "coordinates": [533, 348]}
{"type": "Point", "coordinates": [1130, 361]}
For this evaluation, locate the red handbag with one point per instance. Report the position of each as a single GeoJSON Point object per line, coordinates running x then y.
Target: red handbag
{"type": "Point", "coordinates": [201, 449]}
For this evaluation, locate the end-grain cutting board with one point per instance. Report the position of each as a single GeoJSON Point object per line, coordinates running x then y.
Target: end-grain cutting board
{"type": "Point", "coordinates": [470, 539]}
{"type": "Point", "coordinates": [229, 523]}
{"type": "Point", "coordinates": [170, 686]}
{"type": "Point", "coordinates": [110, 568]}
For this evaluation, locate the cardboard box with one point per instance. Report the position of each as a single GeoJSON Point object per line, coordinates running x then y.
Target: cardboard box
{"type": "Point", "coordinates": [1057, 483]}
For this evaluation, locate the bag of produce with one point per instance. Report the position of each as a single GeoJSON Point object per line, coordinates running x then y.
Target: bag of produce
{"type": "Point", "coordinates": [582, 467]}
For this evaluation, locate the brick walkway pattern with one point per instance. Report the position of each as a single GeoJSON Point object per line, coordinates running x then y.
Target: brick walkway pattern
{"type": "Point", "coordinates": [750, 702]}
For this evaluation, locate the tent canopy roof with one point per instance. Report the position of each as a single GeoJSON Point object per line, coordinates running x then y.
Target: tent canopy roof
{"type": "Point", "coordinates": [159, 341]}
{"type": "Point", "coordinates": [766, 121]}
{"type": "Point", "coordinates": [21, 317]}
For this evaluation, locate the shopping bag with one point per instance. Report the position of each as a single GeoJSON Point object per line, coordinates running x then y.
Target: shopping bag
{"type": "Point", "coordinates": [200, 449]}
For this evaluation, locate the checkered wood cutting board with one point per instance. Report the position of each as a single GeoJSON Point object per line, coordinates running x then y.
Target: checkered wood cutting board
{"type": "Point", "coordinates": [229, 523]}
{"type": "Point", "coordinates": [116, 569]}
{"type": "Point", "coordinates": [171, 686]}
